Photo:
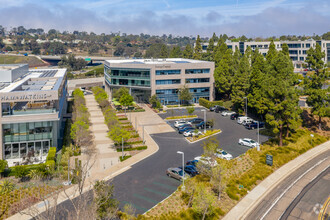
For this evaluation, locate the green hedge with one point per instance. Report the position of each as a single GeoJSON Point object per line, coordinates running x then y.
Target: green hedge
{"type": "Point", "coordinates": [207, 104]}
{"type": "Point", "coordinates": [133, 148]}
{"type": "Point", "coordinates": [11, 171]}
{"type": "Point", "coordinates": [51, 154]}
{"type": "Point", "coordinates": [122, 119]}
{"type": "Point", "coordinates": [125, 158]}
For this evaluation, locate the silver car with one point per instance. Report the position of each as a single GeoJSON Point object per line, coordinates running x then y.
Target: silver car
{"type": "Point", "coordinates": [176, 173]}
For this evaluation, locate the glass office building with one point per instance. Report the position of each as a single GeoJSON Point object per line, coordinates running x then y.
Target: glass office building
{"type": "Point", "coordinates": [32, 103]}
{"type": "Point", "coordinates": [163, 77]}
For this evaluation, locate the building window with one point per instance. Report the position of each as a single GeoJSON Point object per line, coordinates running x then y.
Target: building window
{"type": "Point", "coordinates": [304, 51]}
{"type": "Point", "coordinates": [294, 45]}
{"type": "Point", "coordinates": [168, 72]}
{"type": "Point", "coordinates": [301, 58]}
{"type": "Point", "coordinates": [293, 52]}
{"type": "Point", "coordinates": [197, 71]}
{"type": "Point", "coordinates": [294, 58]}
{"type": "Point", "coordinates": [168, 82]}
{"type": "Point", "coordinates": [308, 45]}
{"type": "Point", "coordinates": [198, 80]}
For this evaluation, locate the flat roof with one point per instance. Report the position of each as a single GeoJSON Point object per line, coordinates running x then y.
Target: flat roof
{"type": "Point", "coordinates": [156, 61]}
{"type": "Point", "coordinates": [11, 66]}
{"type": "Point", "coordinates": [36, 80]}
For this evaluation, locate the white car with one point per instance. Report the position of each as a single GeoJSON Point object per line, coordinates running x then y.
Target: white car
{"type": "Point", "coordinates": [191, 133]}
{"type": "Point", "coordinates": [248, 121]}
{"type": "Point", "coordinates": [207, 161]}
{"type": "Point", "coordinates": [179, 123]}
{"type": "Point", "coordinates": [227, 113]}
{"type": "Point", "coordinates": [248, 142]}
{"type": "Point", "coordinates": [223, 154]}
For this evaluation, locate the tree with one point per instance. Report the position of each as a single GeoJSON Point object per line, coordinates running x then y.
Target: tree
{"type": "Point", "coordinates": [217, 180]}
{"type": "Point", "coordinates": [3, 166]}
{"type": "Point", "coordinates": [271, 52]}
{"type": "Point", "coordinates": [198, 49]}
{"type": "Point", "coordinates": [175, 52]}
{"type": "Point", "coordinates": [120, 92]}
{"type": "Point", "coordinates": [154, 101]}
{"type": "Point", "coordinates": [117, 134]}
{"type": "Point", "coordinates": [184, 94]}
{"type": "Point", "coordinates": [204, 201]}
{"type": "Point", "coordinates": [21, 172]}
{"type": "Point", "coordinates": [219, 52]}
{"type": "Point", "coordinates": [315, 58]}
{"type": "Point", "coordinates": [285, 49]}
{"type": "Point", "coordinates": [163, 52]}
{"type": "Point", "coordinates": [188, 52]}
{"type": "Point", "coordinates": [105, 203]}
{"type": "Point", "coordinates": [190, 110]}
{"type": "Point", "coordinates": [126, 100]}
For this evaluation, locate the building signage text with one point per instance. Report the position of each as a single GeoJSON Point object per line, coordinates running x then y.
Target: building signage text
{"type": "Point", "coordinates": [163, 66]}
{"type": "Point", "coordinates": [24, 97]}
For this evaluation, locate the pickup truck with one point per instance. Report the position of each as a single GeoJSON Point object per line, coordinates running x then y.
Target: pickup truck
{"type": "Point", "coordinates": [254, 125]}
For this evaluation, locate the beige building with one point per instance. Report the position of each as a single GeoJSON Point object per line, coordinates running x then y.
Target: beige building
{"type": "Point", "coordinates": [163, 77]}
{"type": "Point", "coordinates": [32, 103]}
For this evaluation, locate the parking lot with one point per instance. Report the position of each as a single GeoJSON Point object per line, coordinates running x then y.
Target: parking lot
{"type": "Point", "coordinates": [146, 183]}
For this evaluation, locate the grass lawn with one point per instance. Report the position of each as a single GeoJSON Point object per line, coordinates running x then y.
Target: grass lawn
{"type": "Point", "coordinates": [13, 59]}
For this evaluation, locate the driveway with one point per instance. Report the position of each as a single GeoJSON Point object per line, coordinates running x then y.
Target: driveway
{"type": "Point", "coordinates": [146, 184]}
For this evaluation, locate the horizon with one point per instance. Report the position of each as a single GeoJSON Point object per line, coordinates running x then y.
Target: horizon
{"type": "Point", "coordinates": [252, 18]}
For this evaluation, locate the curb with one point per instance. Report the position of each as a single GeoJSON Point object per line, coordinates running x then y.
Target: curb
{"type": "Point", "coordinates": [254, 197]}
{"type": "Point", "coordinates": [202, 138]}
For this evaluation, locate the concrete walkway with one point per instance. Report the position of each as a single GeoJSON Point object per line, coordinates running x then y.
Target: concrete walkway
{"type": "Point", "coordinates": [253, 198]}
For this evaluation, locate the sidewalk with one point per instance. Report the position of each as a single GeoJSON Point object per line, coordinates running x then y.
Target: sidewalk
{"type": "Point", "coordinates": [152, 124]}
{"type": "Point", "coordinates": [253, 198]}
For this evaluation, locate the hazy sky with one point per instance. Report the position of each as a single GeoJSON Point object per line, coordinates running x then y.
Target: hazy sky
{"type": "Point", "coordinates": [177, 17]}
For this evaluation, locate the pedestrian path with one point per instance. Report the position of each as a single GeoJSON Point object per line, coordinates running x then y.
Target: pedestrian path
{"type": "Point", "coordinates": [106, 155]}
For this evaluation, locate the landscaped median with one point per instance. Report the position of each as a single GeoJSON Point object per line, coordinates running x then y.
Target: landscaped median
{"type": "Point", "coordinates": [203, 136]}
{"type": "Point", "coordinates": [180, 117]}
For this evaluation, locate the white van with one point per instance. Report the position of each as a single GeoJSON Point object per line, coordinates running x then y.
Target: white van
{"type": "Point", "coordinates": [247, 121]}
{"type": "Point", "coordinates": [241, 119]}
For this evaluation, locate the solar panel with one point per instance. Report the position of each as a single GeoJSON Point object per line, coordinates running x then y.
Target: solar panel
{"type": "Point", "coordinates": [48, 73]}
{"type": "Point", "coordinates": [3, 85]}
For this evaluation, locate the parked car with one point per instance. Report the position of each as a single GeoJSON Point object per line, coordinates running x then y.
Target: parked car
{"type": "Point", "coordinates": [220, 109]}
{"type": "Point", "coordinates": [192, 162]}
{"type": "Point", "coordinates": [192, 133]}
{"type": "Point", "coordinates": [202, 124]}
{"type": "Point", "coordinates": [223, 154]}
{"type": "Point", "coordinates": [226, 113]}
{"type": "Point", "coordinates": [207, 160]}
{"type": "Point", "coordinates": [247, 121]}
{"type": "Point", "coordinates": [235, 116]}
{"type": "Point", "coordinates": [248, 142]}
{"type": "Point", "coordinates": [213, 108]}
{"type": "Point", "coordinates": [176, 173]}
{"type": "Point", "coordinates": [241, 119]}
{"type": "Point", "coordinates": [179, 123]}
{"type": "Point", "coordinates": [181, 131]}
{"type": "Point", "coordinates": [254, 125]}
{"type": "Point", "coordinates": [190, 169]}
{"type": "Point", "coordinates": [195, 121]}
{"type": "Point", "coordinates": [184, 126]}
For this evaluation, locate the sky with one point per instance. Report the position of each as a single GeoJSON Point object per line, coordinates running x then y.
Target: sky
{"type": "Point", "coordinates": [252, 18]}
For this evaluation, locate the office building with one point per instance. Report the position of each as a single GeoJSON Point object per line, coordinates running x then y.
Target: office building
{"type": "Point", "coordinates": [32, 103]}
{"type": "Point", "coordinates": [297, 49]}
{"type": "Point", "coordinates": [163, 77]}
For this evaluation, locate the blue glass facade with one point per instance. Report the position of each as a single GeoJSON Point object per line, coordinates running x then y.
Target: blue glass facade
{"type": "Point", "coordinates": [168, 81]}
{"type": "Point", "coordinates": [197, 71]}
{"type": "Point", "coordinates": [171, 96]}
{"type": "Point", "coordinates": [198, 80]}
{"type": "Point", "coordinates": [127, 77]}
{"type": "Point", "coordinates": [168, 72]}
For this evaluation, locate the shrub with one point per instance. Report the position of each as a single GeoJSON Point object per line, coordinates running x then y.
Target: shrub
{"type": "Point", "coordinates": [21, 172]}
{"type": "Point", "coordinates": [6, 187]}
{"type": "Point", "coordinates": [51, 154]}
{"type": "Point", "coordinates": [207, 104]}
{"type": "Point", "coordinates": [124, 158]}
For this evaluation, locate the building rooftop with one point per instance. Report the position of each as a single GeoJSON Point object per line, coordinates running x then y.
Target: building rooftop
{"type": "Point", "coordinates": [156, 61]}
{"type": "Point", "coordinates": [36, 80]}
{"type": "Point", "coordinates": [10, 66]}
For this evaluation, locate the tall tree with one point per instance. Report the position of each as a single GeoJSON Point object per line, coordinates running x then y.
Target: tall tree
{"type": "Point", "coordinates": [198, 49]}
{"type": "Point", "coordinates": [220, 51]}
{"type": "Point", "coordinates": [175, 52]}
{"type": "Point", "coordinates": [285, 49]}
{"type": "Point", "coordinates": [223, 74]}
{"type": "Point", "coordinates": [184, 94]}
{"type": "Point", "coordinates": [163, 51]}
{"type": "Point", "coordinates": [271, 52]}
{"type": "Point", "coordinates": [188, 52]}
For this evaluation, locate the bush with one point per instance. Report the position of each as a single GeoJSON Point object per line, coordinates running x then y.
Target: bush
{"type": "Point", "coordinates": [21, 172]}
{"type": "Point", "coordinates": [207, 104]}
{"type": "Point", "coordinates": [125, 158]}
{"type": "Point", "coordinates": [132, 148]}
{"type": "Point", "coordinates": [51, 154]}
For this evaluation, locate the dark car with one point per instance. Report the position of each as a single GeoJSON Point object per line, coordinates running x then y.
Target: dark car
{"type": "Point", "coordinates": [186, 129]}
{"type": "Point", "coordinates": [190, 169]}
{"type": "Point", "coordinates": [254, 125]}
{"type": "Point", "coordinates": [213, 108]}
{"type": "Point", "coordinates": [184, 126]}
{"type": "Point", "coordinates": [202, 124]}
{"type": "Point", "coordinates": [235, 116]}
{"type": "Point", "coordinates": [192, 162]}
{"type": "Point", "coordinates": [220, 109]}
{"type": "Point", "coordinates": [195, 121]}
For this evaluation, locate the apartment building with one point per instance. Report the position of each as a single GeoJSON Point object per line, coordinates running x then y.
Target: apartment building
{"type": "Point", "coordinates": [163, 77]}
{"type": "Point", "coordinates": [32, 103]}
{"type": "Point", "coordinates": [297, 49]}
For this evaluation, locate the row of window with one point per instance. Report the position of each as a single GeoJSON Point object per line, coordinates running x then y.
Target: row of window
{"type": "Point", "coordinates": [175, 91]}
{"type": "Point", "coordinates": [177, 72]}
{"type": "Point", "coordinates": [23, 149]}
{"type": "Point", "coordinates": [178, 81]}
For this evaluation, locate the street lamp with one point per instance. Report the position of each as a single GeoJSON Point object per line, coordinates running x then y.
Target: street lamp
{"type": "Point", "coordinates": [180, 152]}
{"type": "Point", "coordinates": [246, 114]}
{"type": "Point", "coordinates": [258, 147]}
{"type": "Point", "coordinates": [203, 110]}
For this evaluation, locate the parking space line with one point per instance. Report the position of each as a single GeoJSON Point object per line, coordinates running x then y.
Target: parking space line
{"type": "Point", "coordinates": [165, 186]}
{"type": "Point", "coordinates": [135, 206]}
{"type": "Point", "coordinates": [145, 198]}
{"type": "Point", "coordinates": [169, 179]}
{"type": "Point", "coordinates": [156, 192]}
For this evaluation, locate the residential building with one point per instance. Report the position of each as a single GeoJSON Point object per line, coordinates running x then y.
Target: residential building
{"type": "Point", "coordinates": [297, 49]}
{"type": "Point", "coordinates": [163, 77]}
{"type": "Point", "coordinates": [32, 104]}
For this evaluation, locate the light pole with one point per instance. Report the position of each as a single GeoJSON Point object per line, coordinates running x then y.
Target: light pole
{"type": "Point", "coordinates": [246, 114]}
{"type": "Point", "coordinates": [203, 110]}
{"type": "Point", "coordinates": [122, 148]}
{"type": "Point", "coordinates": [180, 152]}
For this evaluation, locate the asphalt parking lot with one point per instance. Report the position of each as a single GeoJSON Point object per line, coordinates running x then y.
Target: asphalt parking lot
{"type": "Point", "coordinates": [146, 184]}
